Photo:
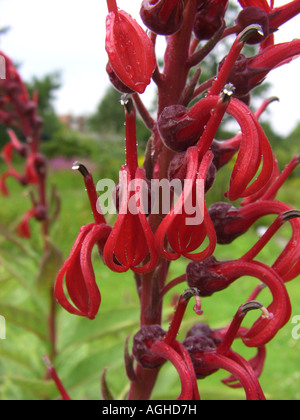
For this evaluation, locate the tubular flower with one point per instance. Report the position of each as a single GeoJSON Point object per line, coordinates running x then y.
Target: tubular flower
{"type": "Point", "coordinates": [163, 17]}
{"type": "Point", "coordinates": [131, 241]}
{"type": "Point", "coordinates": [254, 145]}
{"type": "Point", "coordinates": [77, 271]}
{"type": "Point", "coordinates": [210, 350]}
{"type": "Point", "coordinates": [152, 347]}
{"type": "Point", "coordinates": [249, 72]}
{"type": "Point", "coordinates": [130, 51]}
{"type": "Point", "coordinates": [186, 226]}
{"type": "Point", "coordinates": [211, 276]}
{"type": "Point", "coordinates": [231, 222]}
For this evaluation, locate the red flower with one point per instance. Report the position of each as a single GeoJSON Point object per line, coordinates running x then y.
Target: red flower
{"type": "Point", "coordinates": [131, 243]}
{"type": "Point", "coordinates": [186, 230]}
{"type": "Point", "coordinates": [152, 347]}
{"type": "Point", "coordinates": [254, 146]}
{"type": "Point", "coordinates": [130, 51]}
{"type": "Point", "coordinates": [211, 350]}
{"type": "Point", "coordinates": [77, 271]}
{"type": "Point", "coordinates": [211, 276]}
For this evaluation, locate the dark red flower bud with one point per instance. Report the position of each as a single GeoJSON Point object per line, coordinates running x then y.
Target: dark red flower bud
{"type": "Point", "coordinates": [254, 15]}
{"type": "Point", "coordinates": [163, 17]}
{"type": "Point", "coordinates": [173, 119]}
{"type": "Point", "coordinates": [249, 72]}
{"type": "Point", "coordinates": [196, 345]}
{"type": "Point", "coordinates": [210, 18]}
{"type": "Point", "coordinates": [224, 151]}
{"type": "Point", "coordinates": [200, 274]}
{"type": "Point", "coordinates": [221, 215]}
{"type": "Point", "coordinates": [178, 167]}
{"type": "Point", "coordinates": [142, 343]}
{"type": "Point", "coordinates": [199, 329]}
{"type": "Point", "coordinates": [116, 82]}
{"type": "Point", "coordinates": [240, 75]}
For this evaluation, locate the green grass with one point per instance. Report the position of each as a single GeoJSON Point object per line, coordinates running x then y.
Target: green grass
{"type": "Point", "coordinates": [87, 347]}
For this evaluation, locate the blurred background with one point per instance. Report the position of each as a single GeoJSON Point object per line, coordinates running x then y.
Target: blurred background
{"type": "Point", "coordinates": [58, 48]}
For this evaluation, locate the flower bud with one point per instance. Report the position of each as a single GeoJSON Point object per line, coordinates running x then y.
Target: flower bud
{"type": "Point", "coordinates": [178, 168]}
{"type": "Point", "coordinates": [164, 17]}
{"type": "Point", "coordinates": [240, 76]}
{"type": "Point", "coordinates": [173, 119]}
{"type": "Point", "coordinates": [254, 15]}
{"type": "Point", "coordinates": [196, 345]}
{"type": "Point", "coordinates": [142, 343]}
{"type": "Point", "coordinates": [209, 19]}
{"type": "Point", "coordinates": [116, 82]}
{"type": "Point", "coordinates": [221, 215]}
{"type": "Point", "coordinates": [199, 275]}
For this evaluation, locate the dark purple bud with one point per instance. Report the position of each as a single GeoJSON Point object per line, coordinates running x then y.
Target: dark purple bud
{"type": "Point", "coordinates": [209, 19]}
{"type": "Point", "coordinates": [171, 121]}
{"type": "Point", "coordinates": [222, 153]}
{"type": "Point", "coordinates": [41, 213]}
{"type": "Point", "coordinates": [199, 329]}
{"type": "Point", "coordinates": [29, 108]}
{"type": "Point", "coordinates": [142, 343]}
{"type": "Point", "coordinates": [164, 17]}
{"type": "Point", "coordinates": [40, 164]}
{"type": "Point", "coordinates": [196, 345]}
{"type": "Point", "coordinates": [200, 275]}
{"type": "Point", "coordinates": [178, 168]}
{"type": "Point", "coordinates": [221, 215]}
{"type": "Point", "coordinates": [116, 82]}
{"type": "Point", "coordinates": [37, 122]}
{"type": "Point", "coordinates": [241, 76]}
{"type": "Point", "coordinates": [210, 177]}
{"type": "Point", "coordinates": [254, 15]}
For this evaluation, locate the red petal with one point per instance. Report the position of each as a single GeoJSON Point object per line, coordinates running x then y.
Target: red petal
{"type": "Point", "coordinates": [130, 51]}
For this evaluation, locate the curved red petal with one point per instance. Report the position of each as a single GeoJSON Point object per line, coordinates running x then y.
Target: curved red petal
{"type": "Point", "coordinates": [130, 51]}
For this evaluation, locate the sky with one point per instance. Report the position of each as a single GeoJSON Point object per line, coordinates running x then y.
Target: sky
{"type": "Point", "coordinates": [69, 36]}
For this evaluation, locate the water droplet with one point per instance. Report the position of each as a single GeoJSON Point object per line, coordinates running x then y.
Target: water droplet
{"type": "Point", "coordinates": [130, 70]}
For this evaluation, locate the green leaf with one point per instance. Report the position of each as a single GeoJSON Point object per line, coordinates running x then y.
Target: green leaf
{"type": "Point", "coordinates": [25, 319]}
{"type": "Point", "coordinates": [50, 264]}
{"type": "Point", "coordinates": [40, 388]}
{"type": "Point", "coordinates": [108, 322]}
{"type": "Point", "coordinates": [22, 280]}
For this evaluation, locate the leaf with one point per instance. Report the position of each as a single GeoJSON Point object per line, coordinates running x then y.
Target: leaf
{"type": "Point", "coordinates": [25, 319]}
{"type": "Point", "coordinates": [50, 264]}
{"type": "Point", "coordinates": [41, 388]}
{"type": "Point", "coordinates": [107, 323]}
{"type": "Point", "coordinates": [22, 279]}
